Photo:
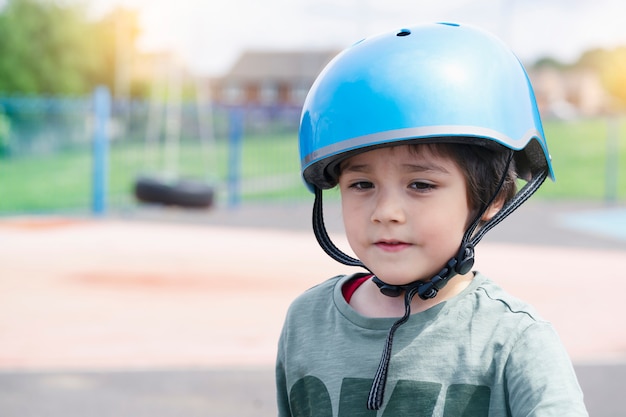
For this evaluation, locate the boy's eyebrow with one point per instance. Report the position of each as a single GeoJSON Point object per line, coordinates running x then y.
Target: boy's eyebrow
{"type": "Point", "coordinates": [426, 167]}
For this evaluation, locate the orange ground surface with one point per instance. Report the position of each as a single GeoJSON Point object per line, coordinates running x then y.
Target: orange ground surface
{"type": "Point", "coordinates": [106, 294]}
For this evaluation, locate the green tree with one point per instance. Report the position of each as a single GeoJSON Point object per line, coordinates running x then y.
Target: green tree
{"type": "Point", "coordinates": [46, 48]}
{"type": "Point", "coordinates": [50, 47]}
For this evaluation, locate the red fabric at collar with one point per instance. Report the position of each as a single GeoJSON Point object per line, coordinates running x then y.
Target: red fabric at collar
{"type": "Point", "coordinates": [350, 287]}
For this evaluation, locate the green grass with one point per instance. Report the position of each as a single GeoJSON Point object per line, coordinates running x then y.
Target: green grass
{"type": "Point", "coordinates": [580, 152]}
{"type": "Point", "coordinates": [45, 182]}
{"type": "Point", "coordinates": [270, 169]}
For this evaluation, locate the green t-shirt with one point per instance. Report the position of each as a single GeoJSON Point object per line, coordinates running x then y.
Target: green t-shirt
{"type": "Point", "coordinates": [481, 353]}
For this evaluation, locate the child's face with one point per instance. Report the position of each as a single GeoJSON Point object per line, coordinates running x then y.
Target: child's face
{"type": "Point", "coordinates": [404, 212]}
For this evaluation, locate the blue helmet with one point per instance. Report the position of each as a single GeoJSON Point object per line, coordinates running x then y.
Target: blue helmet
{"type": "Point", "coordinates": [428, 83]}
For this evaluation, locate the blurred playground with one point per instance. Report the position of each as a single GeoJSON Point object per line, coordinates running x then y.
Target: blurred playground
{"type": "Point", "coordinates": [169, 301]}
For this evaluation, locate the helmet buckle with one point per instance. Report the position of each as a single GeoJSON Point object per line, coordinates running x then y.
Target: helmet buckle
{"type": "Point", "coordinates": [464, 259]}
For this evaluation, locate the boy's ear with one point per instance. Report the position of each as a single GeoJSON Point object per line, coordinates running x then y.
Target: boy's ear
{"type": "Point", "coordinates": [493, 209]}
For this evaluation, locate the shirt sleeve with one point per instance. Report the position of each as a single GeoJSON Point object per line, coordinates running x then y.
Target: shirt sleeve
{"type": "Point", "coordinates": [540, 378]}
{"type": "Point", "coordinates": [282, 396]}
{"type": "Point", "coordinates": [282, 392]}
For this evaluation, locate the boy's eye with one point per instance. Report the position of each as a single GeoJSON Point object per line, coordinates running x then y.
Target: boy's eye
{"type": "Point", "coordinates": [420, 185]}
{"type": "Point", "coordinates": [362, 185]}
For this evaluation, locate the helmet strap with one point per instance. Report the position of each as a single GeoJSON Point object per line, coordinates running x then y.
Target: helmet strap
{"type": "Point", "coordinates": [319, 229]}
{"type": "Point", "coordinates": [522, 195]}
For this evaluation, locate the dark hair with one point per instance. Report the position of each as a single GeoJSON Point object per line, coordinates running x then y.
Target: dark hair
{"type": "Point", "coordinates": [483, 168]}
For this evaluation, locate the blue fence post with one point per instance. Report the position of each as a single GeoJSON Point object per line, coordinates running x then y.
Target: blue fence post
{"type": "Point", "coordinates": [235, 150]}
{"type": "Point", "coordinates": [102, 114]}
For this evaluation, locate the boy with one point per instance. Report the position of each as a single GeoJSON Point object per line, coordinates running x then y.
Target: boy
{"type": "Point", "coordinates": [426, 131]}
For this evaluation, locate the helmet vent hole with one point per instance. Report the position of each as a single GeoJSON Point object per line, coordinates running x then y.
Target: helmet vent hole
{"type": "Point", "coordinates": [404, 32]}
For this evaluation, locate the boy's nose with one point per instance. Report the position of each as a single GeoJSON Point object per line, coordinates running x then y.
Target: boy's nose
{"type": "Point", "coordinates": [388, 208]}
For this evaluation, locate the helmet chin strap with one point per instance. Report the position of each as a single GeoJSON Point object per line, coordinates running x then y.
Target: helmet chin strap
{"type": "Point", "coordinates": [462, 263]}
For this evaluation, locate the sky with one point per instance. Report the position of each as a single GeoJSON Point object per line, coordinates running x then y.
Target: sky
{"type": "Point", "coordinates": [209, 35]}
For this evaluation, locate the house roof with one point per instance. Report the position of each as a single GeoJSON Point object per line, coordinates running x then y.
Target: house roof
{"type": "Point", "coordinates": [291, 66]}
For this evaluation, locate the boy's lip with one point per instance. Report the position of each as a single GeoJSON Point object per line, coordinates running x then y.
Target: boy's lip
{"type": "Point", "coordinates": [391, 245]}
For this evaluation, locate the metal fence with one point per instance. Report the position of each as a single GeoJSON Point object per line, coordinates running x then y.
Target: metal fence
{"type": "Point", "coordinates": [49, 161]}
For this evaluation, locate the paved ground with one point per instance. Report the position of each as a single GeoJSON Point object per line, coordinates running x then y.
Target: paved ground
{"type": "Point", "coordinates": [169, 313]}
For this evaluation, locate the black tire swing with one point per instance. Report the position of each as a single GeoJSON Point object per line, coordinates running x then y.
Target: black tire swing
{"type": "Point", "coordinates": [168, 189]}
{"type": "Point", "coordinates": [180, 193]}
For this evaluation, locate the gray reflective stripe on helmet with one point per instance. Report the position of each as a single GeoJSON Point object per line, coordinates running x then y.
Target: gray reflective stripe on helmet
{"type": "Point", "coordinates": [399, 135]}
